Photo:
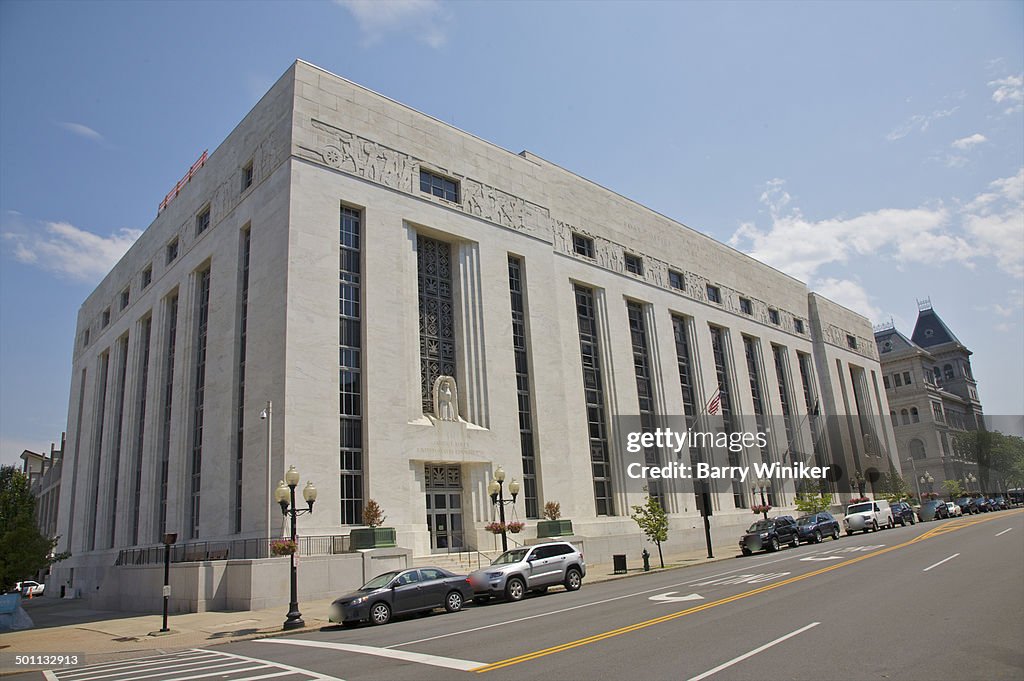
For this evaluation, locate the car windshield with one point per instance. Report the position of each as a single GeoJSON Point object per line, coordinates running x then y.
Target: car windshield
{"type": "Point", "coordinates": [760, 526]}
{"type": "Point", "coordinates": [379, 582]}
{"type": "Point", "coordinates": [513, 556]}
{"type": "Point", "coordinates": [806, 520]}
{"type": "Point", "coordinates": [860, 508]}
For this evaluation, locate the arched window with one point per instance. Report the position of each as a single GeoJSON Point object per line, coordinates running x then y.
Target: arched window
{"type": "Point", "coordinates": [948, 370]}
{"type": "Point", "coordinates": [914, 416]}
{"type": "Point", "coordinates": [917, 449]}
{"type": "Point", "coordinates": [895, 421]}
{"type": "Point", "coordinates": [905, 415]}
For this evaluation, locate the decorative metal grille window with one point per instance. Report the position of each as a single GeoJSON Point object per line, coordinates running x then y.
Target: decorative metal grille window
{"type": "Point", "coordinates": [684, 360]}
{"type": "Point", "coordinates": [779, 354]}
{"type": "Point", "coordinates": [165, 436]}
{"type": "Point", "coordinates": [645, 390]}
{"type": "Point", "coordinates": [526, 442]}
{"type": "Point", "coordinates": [722, 374]}
{"type": "Point", "coordinates": [676, 280]}
{"type": "Point", "coordinates": [437, 315]}
{"type": "Point", "coordinates": [813, 410]}
{"type": "Point", "coordinates": [350, 414]}
{"type": "Point", "coordinates": [101, 413]}
{"type": "Point", "coordinates": [243, 334]}
{"type": "Point", "coordinates": [593, 388]}
{"type": "Point", "coordinates": [115, 469]}
{"type": "Point", "coordinates": [634, 264]}
{"type": "Point", "coordinates": [140, 424]}
{"type": "Point", "coordinates": [583, 245]}
{"type": "Point", "coordinates": [443, 477]}
{"type": "Point", "coordinates": [439, 186]}
{"type": "Point", "coordinates": [754, 373]}
{"type": "Point", "coordinates": [198, 401]}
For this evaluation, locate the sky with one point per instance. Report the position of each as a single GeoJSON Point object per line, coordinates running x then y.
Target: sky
{"type": "Point", "coordinates": [872, 150]}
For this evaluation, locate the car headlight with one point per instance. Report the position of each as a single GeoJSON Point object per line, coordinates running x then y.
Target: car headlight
{"type": "Point", "coordinates": [764, 535]}
{"type": "Point", "coordinates": [357, 601]}
{"type": "Point", "coordinates": [495, 575]}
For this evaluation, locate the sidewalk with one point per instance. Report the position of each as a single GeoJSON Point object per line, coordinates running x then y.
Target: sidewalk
{"type": "Point", "coordinates": [105, 636]}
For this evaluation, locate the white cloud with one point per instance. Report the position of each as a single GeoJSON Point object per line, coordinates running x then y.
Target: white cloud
{"type": "Point", "coordinates": [69, 251]}
{"type": "Point", "coordinates": [81, 130]}
{"type": "Point", "coordinates": [1009, 90]}
{"type": "Point", "coordinates": [919, 122]}
{"type": "Point", "coordinates": [990, 226]}
{"type": "Point", "coordinates": [426, 19]}
{"type": "Point", "coordinates": [849, 294]}
{"type": "Point", "coordinates": [965, 143]}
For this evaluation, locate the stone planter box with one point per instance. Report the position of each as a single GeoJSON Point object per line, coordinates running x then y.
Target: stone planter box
{"type": "Point", "coordinates": [554, 528]}
{"type": "Point", "coordinates": [372, 538]}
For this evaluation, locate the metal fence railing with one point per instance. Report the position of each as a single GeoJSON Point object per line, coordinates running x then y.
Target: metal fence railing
{"type": "Point", "coordinates": [230, 550]}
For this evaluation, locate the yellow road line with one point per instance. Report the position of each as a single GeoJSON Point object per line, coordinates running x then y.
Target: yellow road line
{"type": "Point", "coordinates": [730, 599]}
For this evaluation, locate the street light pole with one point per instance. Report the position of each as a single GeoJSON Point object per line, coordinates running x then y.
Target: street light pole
{"type": "Point", "coordinates": [169, 539]}
{"type": "Point", "coordinates": [913, 465]}
{"type": "Point", "coordinates": [496, 488]}
{"type": "Point", "coordinates": [284, 493]}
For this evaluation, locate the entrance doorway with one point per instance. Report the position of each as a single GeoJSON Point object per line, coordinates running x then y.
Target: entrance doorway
{"type": "Point", "coordinates": [444, 507]}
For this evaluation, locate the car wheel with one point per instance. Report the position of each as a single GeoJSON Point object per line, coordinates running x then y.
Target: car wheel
{"type": "Point", "coordinates": [892, 524]}
{"type": "Point", "coordinates": [874, 526]}
{"type": "Point", "coordinates": [796, 541]}
{"type": "Point", "coordinates": [573, 580]}
{"type": "Point", "coordinates": [835, 534]}
{"type": "Point", "coordinates": [849, 533]}
{"type": "Point", "coordinates": [912, 521]}
{"type": "Point", "coordinates": [817, 536]}
{"type": "Point", "coordinates": [380, 613]}
{"type": "Point", "coordinates": [453, 601]}
{"type": "Point", "coordinates": [480, 600]}
{"type": "Point", "coordinates": [514, 589]}
{"type": "Point", "coordinates": [746, 551]}
{"type": "Point", "coordinates": [774, 546]}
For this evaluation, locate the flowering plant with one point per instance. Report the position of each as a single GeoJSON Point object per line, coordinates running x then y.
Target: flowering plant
{"type": "Point", "coordinates": [930, 495]}
{"type": "Point", "coordinates": [282, 547]}
{"type": "Point", "coordinates": [515, 527]}
{"type": "Point", "coordinates": [759, 508]}
{"type": "Point", "coordinates": [494, 528]}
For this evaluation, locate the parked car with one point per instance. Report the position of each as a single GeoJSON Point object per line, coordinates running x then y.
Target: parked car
{"type": "Point", "coordinates": [903, 513]}
{"type": "Point", "coordinates": [529, 568]}
{"type": "Point", "coordinates": [401, 592]}
{"type": "Point", "coordinates": [934, 509]}
{"type": "Point", "coordinates": [953, 509]}
{"type": "Point", "coordinates": [981, 503]}
{"type": "Point", "coordinates": [868, 515]}
{"type": "Point", "coordinates": [966, 505]}
{"type": "Point", "coordinates": [813, 528]}
{"type": "Point", "coordinates": [999, 503]}
{"type": "Point", "coordinates": [770, 535]}
{"type": "Point", "coordinates": [29, 588]}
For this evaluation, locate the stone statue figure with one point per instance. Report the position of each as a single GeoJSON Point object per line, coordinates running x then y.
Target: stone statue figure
{"type": "Point", "coordinates": [446, 399]}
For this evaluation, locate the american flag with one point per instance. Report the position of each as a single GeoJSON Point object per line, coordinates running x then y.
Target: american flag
{"type": "Point", "coordinates": [715, 403]}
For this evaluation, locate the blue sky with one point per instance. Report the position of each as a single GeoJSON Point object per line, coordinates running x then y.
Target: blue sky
{"type": "Point", "coordinates": [874, 150]}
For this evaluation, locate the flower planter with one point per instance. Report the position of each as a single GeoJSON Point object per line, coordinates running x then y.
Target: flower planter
{"type": "Point", "coordinates": [553, 528]}
{"type": "Point", "coordinates": [372, 538]}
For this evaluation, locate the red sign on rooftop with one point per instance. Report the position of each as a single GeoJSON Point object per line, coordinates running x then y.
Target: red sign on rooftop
{"type": "Point", "coordinates": [171, 195]}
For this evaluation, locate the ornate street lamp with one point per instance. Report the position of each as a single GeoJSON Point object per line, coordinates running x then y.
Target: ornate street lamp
{"type": "Point", "coordinates": [284, 494]}
{"type": "Point", "coordinates": [496, 488]}
{"type": "Point", "coordinates": [969, 480]}
{"type": "Point", "coordinates": [927, 479]}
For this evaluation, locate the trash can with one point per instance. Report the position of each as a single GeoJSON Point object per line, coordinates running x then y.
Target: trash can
{"type": "Point", "coordinates": [619, 563]}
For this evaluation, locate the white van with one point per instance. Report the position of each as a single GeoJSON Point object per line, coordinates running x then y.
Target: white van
{"type": "Point", "coordinates": [868, 515]}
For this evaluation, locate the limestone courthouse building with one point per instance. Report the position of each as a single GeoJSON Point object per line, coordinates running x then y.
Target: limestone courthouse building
{"type": "Point", "coordinates": [419, 307]}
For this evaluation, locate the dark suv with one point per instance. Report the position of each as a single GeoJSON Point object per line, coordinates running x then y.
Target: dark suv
{"type": "Point", "coordinates": [813, 528]}
{"type": "Point", "coordinates": [770, 535]}
{"type": "Point", "coordinates": [902, 513]}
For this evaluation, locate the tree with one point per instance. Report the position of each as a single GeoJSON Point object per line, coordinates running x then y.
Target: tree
{"type": "Point", "coordinates": [997, 455]}
{"type": "Point", "coordinates": [894, 487]}
{"type": "Point", "coordinates": [953, 489]}
{"type": "Point", "coordinates": [653, 521]}
{"type": "Point", "coordinates": [812, 502]}
{"type": "Point", "coordinates": [24, 551]}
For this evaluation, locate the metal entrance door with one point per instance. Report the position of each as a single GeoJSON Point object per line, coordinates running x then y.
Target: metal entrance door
{"type": "Point", "coordinates": [444, 507]}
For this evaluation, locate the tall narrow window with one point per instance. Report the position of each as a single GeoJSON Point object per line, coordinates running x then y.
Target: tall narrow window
{"type": "Point", "coordinates": [168, 393]}
{"type": "Point", "coordinates": [526, 443]}
{"type": "Point", "coordinates": [74, 461]}
{"type": "Point", "coordinates": [750, 350]}
{"type": "Point", "coordinates": [243, 327]}
{"type": "Point", "coordinates": [142, 387]}
{"type": "Point", "coordinates": [739, 498]}
{"type": "Point", "coordinates": [97, 445]}
{"type": "Point", "coordinates": [350, 368]}
{"type": "Point", "coordinates": [813, 409]}
{"type": "Point", "coordinates": [787, 412]}
{"type": "Point", "coordinates": [644, 389]}
{"type": "Point", "coordinates": [593, 388]}
{"type": "Point", "coordinates": [437, 315]}
{"type": "Point", "coordinates": [198, 400]}
{"type": "Point", "coordinates": [687, 369]}
{"type": "Point", "coordinates": [115, 487]}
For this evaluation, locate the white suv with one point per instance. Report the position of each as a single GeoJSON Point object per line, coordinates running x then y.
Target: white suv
{"type": "Point", "coordinates": [868, 515]}
{"type": "Point", "coordinates": [529, 568]}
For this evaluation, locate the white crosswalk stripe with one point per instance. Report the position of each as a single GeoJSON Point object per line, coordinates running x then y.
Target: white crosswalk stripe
{"type": "Point", "coordinates": [188, 665]}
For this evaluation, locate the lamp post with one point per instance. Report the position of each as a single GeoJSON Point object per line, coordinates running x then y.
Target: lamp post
{"type": "Point", "coordinates": [496, 488]}
{"type": "Point", "coordinates": [858, 479]}
{"type": "Point", "coordinates": [284, 493]}
{"type": "Point", "coordinates": [761, 485]}
{"type": "Point", "coordinates": [927, 479]}
{"type": "Point", "coordinates": [913, 465]}
{"type": "Point", "coordinates": [969, 480]}
{"type": "Point", "coordinates": [169, 539]}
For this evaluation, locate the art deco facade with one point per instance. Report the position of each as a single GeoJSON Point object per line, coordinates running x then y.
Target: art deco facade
{"type": "Point", "coordinates": [932, 396]}
{"type": "Point", "coordinates": [421, 306]}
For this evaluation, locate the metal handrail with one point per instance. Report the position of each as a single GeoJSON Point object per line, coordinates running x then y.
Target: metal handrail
{"type": "Point", "coordinates": [466, 548]}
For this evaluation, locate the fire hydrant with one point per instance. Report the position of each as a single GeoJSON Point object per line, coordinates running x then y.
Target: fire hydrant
{"type": "Point", "coordinates": [647, 560]}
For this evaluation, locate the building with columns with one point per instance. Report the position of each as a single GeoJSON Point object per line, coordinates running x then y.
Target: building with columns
{"type": "Point", "coordinates": [932, 395]}
{"type": "Point", "coordinates": [421, 306]}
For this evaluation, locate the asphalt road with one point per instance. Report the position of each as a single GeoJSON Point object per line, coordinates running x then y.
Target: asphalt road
{"type": "Point", "coordinates": [939, 600]}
